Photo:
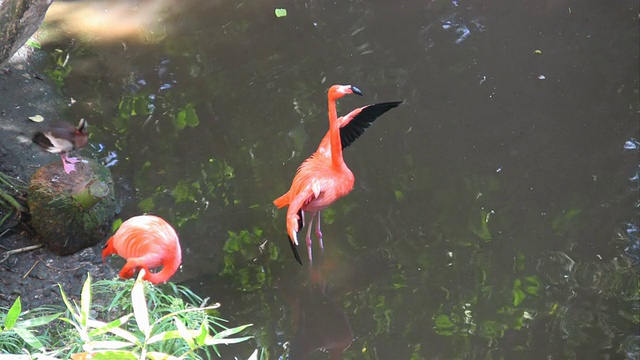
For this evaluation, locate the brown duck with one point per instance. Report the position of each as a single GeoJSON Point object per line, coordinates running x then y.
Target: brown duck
{"type": "Point", "coordinates": [62, 137]}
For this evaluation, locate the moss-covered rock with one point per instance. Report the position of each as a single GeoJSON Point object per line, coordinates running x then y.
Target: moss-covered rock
{"type": "Point", "coordinates": [71, 211]}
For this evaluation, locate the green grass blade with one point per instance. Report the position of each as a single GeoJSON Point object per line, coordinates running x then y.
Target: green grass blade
{"type": "Point", "coordinates": [85, 301]}
{"type": "Point", "coordinates": [13, 314]}
{"type": "Point", "coordinates": [67, 303]}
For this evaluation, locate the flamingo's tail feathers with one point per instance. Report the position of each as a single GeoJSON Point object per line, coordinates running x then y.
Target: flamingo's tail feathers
{"type": "Point", "coordinates": [294, 248]}
{"type": "Point", "coordinates": [361, 121]}
{"type": "Point", "coordinates": [282, 201]}
{"type": "Point", "coordinates": [108, 249]}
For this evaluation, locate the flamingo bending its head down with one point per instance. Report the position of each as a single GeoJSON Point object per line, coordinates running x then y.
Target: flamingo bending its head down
{"type": "Point", "coordinates": [146, 241]}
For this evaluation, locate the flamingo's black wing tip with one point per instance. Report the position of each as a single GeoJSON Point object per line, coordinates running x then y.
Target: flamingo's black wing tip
{"type": "Point", "coordinates": [294, 248]}
{"type": "Point", "coordinates": [300, 219]}
{"type": "Point", "coordinates": [359, 124]}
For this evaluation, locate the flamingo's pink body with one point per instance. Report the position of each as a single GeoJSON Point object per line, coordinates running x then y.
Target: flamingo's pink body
{"type": "Point", "coordinates": [324, 177]}
{"type": "Point", "coordinates": [146, 242]}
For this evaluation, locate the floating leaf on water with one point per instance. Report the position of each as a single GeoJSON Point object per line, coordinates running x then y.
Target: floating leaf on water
{"type": "Point", "coordinates": [563, 221]}
{"type": "Point", "coordinates": [187, 117]}
{"type": "Point", "coordinates": [443, 325]}
{"type": "Point", "coordinates": [518, 297]}
{"type": "Point", "coordinates": [483, 231]}
{"type": "Point", "coordinates": [281, 12]}
{"type": "Point", "coordinates": [37, 118]}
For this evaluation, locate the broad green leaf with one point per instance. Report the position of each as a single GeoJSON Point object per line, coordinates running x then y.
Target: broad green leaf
{"type": "Point", "coordinates": [116, 330]}
{"type": "Point", "coordinates": [187, 117]}
{"type": "Point", "coordinates": [492, 329]}
{"type": "Point", "coordinates": [186, 334]}
{"type": "Point", "coordinates": [254, 355]}
{"type": "Point", "coordinates": [232, 331]}
{"type": "Point", "coordinates": [146, 205]}
{"type": "Point", "coordinates": [39, 321]}
{"type": "Point", "coordinates": [206, 308]}
{"type": "Point", "coordinates": [106, 345]}
{"type": "Point", "coordinates": [518, 297]}
{"type": "Point", "coordinates": [140, 305]}
{"type": "Point", "coordinates": [160, 356]}
{"type": "Point", "coordinates": [101, 327]}
{"type": "Point", "coordinates": [182, 192]}
{"type": "Point", "coordinates": [532, 285]}
{"type": "Point", "coordinates": [203, 334]}
{"type": "Point", "coordinates": [85, 301]}
{"type": "Point", "coordinates": [443, 325]}
{"type": "Point", "coordinates": [111, 355]}
{"type": "Point", "coordinates": [562, 222]}
{"type": "Point", "coordinates": [226, 341]}
{"type": "Point", "coordinates": [13, 314]}
{"type": "Point", "coordinates": [29, 338]}
{"type": "Point", "coordinates": [163, 336]}
{"type": "Point", "coordinates": [483, 232]}
{"type": "Point", "coordinates": [116, 225]}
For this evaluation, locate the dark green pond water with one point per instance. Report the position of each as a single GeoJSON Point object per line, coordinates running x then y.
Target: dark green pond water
{"type": "Point", "coordinates": [494, 213]}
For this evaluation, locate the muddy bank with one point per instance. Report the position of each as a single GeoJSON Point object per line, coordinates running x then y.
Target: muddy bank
{"type": "Point", "coordinates": [33, 275]}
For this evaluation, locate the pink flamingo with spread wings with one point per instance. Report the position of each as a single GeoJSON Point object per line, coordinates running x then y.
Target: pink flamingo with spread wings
{"type": "Point", "coordinates": [146, 241]}
{"type": "Point", "coordinates": [324, 177]}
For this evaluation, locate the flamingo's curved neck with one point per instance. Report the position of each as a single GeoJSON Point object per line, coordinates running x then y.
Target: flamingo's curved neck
{"type": "Point", "coordinates": [334, 133]}
{"type": "Point", "coordinates": [168, 269]}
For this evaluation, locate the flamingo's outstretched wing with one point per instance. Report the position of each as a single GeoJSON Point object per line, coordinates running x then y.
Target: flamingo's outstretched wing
{"type": "Point", "coordinates": [362, 120]}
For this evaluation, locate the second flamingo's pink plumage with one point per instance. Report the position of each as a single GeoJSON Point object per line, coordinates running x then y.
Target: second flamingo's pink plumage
{"type": "Point", "coordinates": [146, 242]}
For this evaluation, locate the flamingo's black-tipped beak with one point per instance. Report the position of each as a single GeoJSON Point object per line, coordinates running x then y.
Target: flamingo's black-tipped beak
{"type": "Point", "coordinates": [356, 91]}
{"type": "Point", "coordinates": [294, 248]}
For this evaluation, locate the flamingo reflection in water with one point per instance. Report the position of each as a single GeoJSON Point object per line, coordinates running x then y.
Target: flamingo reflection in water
{"type": "Point", "coordinates": [319, 320]}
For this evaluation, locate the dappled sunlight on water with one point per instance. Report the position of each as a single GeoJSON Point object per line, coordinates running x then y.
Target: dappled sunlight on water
{"type": "Point", "coordinates": [107, 21]}
{"type": "Point", "coordinates": [501, 193]}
